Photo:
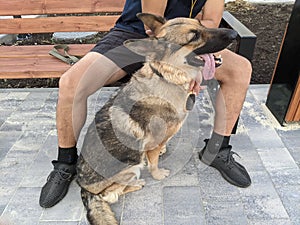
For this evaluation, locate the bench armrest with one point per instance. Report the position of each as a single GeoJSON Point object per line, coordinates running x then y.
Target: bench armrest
{"type": "Point", "coordinates": [246, 39]}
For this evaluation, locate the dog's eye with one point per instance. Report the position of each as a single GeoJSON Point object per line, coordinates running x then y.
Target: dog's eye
{"type": "Point", "coordinates": [196, 35]}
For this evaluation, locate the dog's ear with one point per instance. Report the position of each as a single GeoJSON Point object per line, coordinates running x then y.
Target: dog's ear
{"type": "Point", "coordinates": [147, 47]}
{"type": "Point", "coordinates": [152, 21]}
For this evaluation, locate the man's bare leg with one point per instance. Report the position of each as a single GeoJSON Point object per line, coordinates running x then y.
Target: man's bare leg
{"type": "Point", "coordinates": [83, 79]}
{"type": "Point", "coordinates": [234, 77]}
{"type": "Point", "coordinates": [75, 86]}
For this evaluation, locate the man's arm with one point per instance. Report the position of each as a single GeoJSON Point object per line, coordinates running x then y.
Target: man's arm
{"type": "Point", "coordinates": [156, 7]}
{"type": "Point", "coordinates": [211, 14]}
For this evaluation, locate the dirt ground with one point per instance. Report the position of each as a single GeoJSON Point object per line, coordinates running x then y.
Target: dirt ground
{"type": "Point", "coordinates": [267, 21]}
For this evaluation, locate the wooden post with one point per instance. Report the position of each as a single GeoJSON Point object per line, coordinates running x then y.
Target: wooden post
{"type": "Point", "coordinates": [284, 94]}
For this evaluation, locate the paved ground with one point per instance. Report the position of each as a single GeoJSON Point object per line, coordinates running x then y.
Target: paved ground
{"type": "Point", "coordinates": [193, 194]}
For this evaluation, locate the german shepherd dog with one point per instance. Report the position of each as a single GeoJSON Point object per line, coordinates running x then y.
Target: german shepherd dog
{"type": "Point", "coordinates": [133, 127]}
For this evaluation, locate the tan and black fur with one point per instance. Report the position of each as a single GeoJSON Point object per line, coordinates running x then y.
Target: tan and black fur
{"type": "Point", "coordinates": [138, 121]}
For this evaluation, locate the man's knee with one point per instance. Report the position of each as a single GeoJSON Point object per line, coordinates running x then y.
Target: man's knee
{"type": "Point", "coordinates": [243, 71]}
{"type": "Point", "coordinates": [237, 73]}
{"type": "Point", "coordinates": [66, 88]}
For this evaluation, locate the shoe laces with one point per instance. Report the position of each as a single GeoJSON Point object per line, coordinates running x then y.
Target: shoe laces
{"type": "Point", "coordinates": [58, 175]}
{"type": "Point", "coordinates": [227, 156]}
{"type": "Point", "coordinates": [230, 158]}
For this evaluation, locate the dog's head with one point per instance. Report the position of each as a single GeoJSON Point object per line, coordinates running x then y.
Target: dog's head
{"type": "Point", "coordinates": [182, 42]}
{"type": "Point", "coordinates": [189, 32]}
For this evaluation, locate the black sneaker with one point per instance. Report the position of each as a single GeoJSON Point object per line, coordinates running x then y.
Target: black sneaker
{"type": "Point", "coordinates": [57, 184]}
{"type": "Point", "coordinates": [224, 162]}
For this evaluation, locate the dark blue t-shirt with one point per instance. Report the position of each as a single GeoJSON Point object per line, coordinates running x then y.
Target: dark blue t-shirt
{"type": "Point", "coordinates": [175, 8]}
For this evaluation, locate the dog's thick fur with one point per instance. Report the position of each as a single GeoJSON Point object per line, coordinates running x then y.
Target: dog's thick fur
{"type": "Point", "coordinates": [138, 121]}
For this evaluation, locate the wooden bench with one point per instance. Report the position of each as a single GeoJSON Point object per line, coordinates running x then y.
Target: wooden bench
{"type": "Point", "coordinates": [69, 16]}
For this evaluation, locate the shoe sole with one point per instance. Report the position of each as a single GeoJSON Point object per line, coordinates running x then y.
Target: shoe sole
{"type": "Point", "coordinates": [227, 178]}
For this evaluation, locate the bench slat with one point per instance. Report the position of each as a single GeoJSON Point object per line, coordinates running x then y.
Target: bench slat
{"type": "Point", "coordinates": [34, 61]}
{"type": "Point", "coordinates": [32, 68]}
{"type": "Point", "coordinates": [38, 7]}
{"type": "Point", "coordinates": [40, 50]}
{"type": "Point", "coordinates": [57, 24]}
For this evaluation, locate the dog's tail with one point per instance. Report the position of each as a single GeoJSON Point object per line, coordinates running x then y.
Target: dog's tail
{"type": "Point", "coordinates": [98, 210]}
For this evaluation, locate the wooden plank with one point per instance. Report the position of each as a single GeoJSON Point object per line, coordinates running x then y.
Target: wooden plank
{"type": "Point", "coordinates": [32, 68]}
{"type": "Point", "coordinates": [57, 24]}
{"type": "Point", "coordinates": [34, 64]}
{"type": "Point", "coordinates": [40, 50]}
{"type": "Point", "coordinates": [34, 61]}
{"type": "Point", "coordinates": [39, 7]}
{"type": "Point", "coordinates": [31, 74]}
{"type": "Point", "coordinates": [294, 106]}
{"type": "Point", "coordinates": [297, 114]}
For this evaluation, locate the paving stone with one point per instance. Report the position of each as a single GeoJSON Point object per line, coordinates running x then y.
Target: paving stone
{"type": "Point", "coordinates": [33, 101]}
{"type": "Point", "coordinates": [59, 223]}
{"type": "Point", "coordinates": [261, 200]}
{"type": "Point", "coordinates": [4, 113]}
{"type": "Point", "coordinates": [291, 141]}
{"type": "Point", "coordinates": [71, 203]}
{"type": "Point", "coordinates": [264, 208]}
{"type": "Point", "coordinates": [13, 100]}
{"type": "Point", "coordinates": [12, 126]}
{"type": "Point", "coordinates": [285, 177]}
{"type": "Point", "coordinates": [225, 212]}
{"type": "Point", "coordinates": [188, 176]}
{"type": "Point", "coordinates": [182, 205]}
{"type": "Point", "coordinates": [17, 95]}
{"type": "Point", "coordinates": [265, 138]}
{"type": "Point", "coordinates": [271, 222]}
{"type": "Point", "coordinates": [3, 94]}
{"type": "Point", "coordinates": [6, 194]}
{"type": "Point", "coordinates": [7, 140]}
{"type": "Point", "coordinates": [290, 196]}
{"type": "Point", "coordinates": [37, 173]}
{"type": "Point", "coordinates": [23, 208]}
{"type": "Point", "coordinates": [295, 153]}
{"type": "Point", "coordinates": [221, 200]}
{"type": "Point", "coordinates": [143, 207]}
{"type": "Point", "coordinates": [14, 165]}
{"type": "Point", "coordinates": [259, 92]}
{"type": "Point", "coordinates": [257, 117]}
{"type": "Point", "coordinates": [277, 159]}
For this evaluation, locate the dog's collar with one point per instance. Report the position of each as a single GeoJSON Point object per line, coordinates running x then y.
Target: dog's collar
{"type": "Point", "coordinates": [156, 71]}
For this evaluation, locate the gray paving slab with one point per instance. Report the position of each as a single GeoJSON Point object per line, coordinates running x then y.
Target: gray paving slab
{"type": "Point", "coordinates": [193, 194]}
{"type": "Point", "coordinates": [183, 205]}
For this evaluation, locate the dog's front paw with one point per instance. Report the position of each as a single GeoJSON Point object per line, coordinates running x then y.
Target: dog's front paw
{"type": "Point", "coordinates": [111, 197]}
{"type": "Point", "coordinates": [160, 174]}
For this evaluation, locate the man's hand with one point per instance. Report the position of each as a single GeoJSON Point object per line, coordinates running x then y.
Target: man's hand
{"type": "Point", "coordinates": [195, 86]}
{"type": "Point", "coordinates": [149, 32]}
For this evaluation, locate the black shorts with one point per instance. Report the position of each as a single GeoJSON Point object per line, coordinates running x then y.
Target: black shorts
{"type": "Point", "coordinates": [111, 46]}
